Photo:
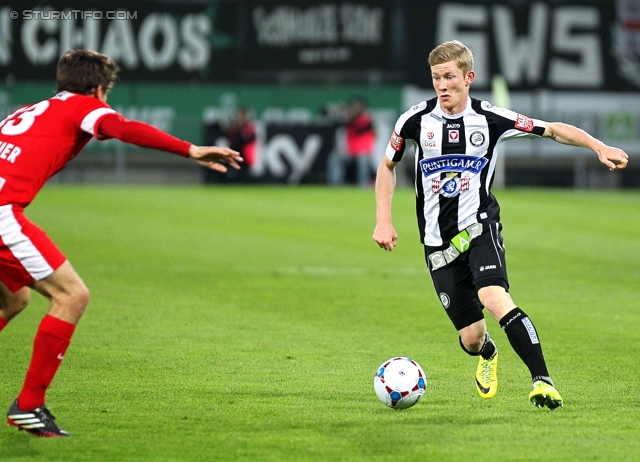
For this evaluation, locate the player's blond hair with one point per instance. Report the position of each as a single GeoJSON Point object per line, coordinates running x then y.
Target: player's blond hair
{"type": "Point", "coordinates": [452, 51]}
{"type": "Point", "coordinates": [81, 71]}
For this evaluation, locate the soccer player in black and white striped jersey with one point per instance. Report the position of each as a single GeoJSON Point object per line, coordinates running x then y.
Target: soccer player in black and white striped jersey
{"type": "Point", "coordinates": [456, 140]}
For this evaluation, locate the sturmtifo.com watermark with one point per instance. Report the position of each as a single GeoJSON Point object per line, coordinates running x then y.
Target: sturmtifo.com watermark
{"type": "Point", "coordinates": [73, 14]}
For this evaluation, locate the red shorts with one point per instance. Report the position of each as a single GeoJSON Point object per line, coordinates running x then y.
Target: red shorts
{"type": "Point", "coordinates": [26, 252]}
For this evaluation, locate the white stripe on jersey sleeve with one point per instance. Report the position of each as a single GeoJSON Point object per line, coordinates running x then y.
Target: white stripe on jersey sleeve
{"type": "Point", "coordinates": [89, 121]}
{"type": "Point", "coordinates": [20, 245]}
{"type": "Point", "coordinates": [512, 115]}
{"type": "Point", "coordinates": [515, 133]}
{"type": "Point", "coordinates": [390, 151]}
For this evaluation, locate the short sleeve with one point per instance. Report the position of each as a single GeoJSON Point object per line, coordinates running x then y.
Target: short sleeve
{"type": "Point", "coordinates": [404, 132]}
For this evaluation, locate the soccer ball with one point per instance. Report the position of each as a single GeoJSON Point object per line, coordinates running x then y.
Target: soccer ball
{"type": "Point", "coordinates": [400, 382]}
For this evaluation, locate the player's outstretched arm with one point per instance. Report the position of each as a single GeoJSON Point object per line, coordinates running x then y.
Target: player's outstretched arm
{"type": "Point", "coordinates": [114, 125]}
{"type": "Point", "coordinates": [212, 156]}
{"type": "Point", "coordinates": [384, 234]}
{"type": "Point", "coordinates": [613, 158]}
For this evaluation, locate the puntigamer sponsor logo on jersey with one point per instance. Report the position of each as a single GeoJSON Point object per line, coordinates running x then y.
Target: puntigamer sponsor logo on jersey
{"type": "Point", "coordinates": [452, 163]}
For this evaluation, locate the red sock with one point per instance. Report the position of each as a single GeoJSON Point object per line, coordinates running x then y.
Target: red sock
{"type": "Point", "coordinates": [49, 346]}
{"type": "Point", "coordinates": [3, 323]}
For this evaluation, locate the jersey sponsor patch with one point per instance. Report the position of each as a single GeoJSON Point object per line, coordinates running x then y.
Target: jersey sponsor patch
{"type": "Point", "coordinates": [450, 186]}
{"type": "Point", "coordinates": [456, 163]}
{"type": "Point", "coordinates": [396, 141]}
{"type": "Point", "coordinates": [430, 142]}
{"type": "Point", "coordinates": [524, 123]}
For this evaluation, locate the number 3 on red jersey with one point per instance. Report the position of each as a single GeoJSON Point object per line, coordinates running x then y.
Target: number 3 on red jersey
{"type": "Point", "coordinates": [21, 120]}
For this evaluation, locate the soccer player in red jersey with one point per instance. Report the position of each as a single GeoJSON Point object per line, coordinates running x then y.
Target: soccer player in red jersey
{"type": "Point", "coordinates": [36, 141]}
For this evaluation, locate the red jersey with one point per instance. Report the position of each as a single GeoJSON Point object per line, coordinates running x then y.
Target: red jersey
{"type": "Point", "coordinates": [36, 141]}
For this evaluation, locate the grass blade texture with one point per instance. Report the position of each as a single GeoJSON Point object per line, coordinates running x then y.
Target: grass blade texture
{"type": "Point", "coordinates": [231, 323]}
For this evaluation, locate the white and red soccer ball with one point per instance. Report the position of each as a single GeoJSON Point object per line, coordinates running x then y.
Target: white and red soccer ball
{"type": "Point", "coordinates": [400, 382]}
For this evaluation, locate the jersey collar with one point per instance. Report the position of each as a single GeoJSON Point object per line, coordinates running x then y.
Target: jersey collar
{"type": "Point", "coordinates": [467, 110]}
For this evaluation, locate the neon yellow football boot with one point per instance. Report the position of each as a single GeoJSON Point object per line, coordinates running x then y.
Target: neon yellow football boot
{"type": "Point", "coordinates": [544, 394]}
{"type": "Point", "coordinates": [487, 376]}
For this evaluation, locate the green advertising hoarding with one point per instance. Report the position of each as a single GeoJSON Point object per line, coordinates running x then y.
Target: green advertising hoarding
{"type": "Point", "coordinates": [182, 109]}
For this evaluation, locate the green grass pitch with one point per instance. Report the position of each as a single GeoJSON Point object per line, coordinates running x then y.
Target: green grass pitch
{"type": "Point", "coordinates": [231, 323]}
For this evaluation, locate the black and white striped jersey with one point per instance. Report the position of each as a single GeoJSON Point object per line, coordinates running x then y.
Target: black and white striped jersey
{"type": "Point", "coordinates": [455, 161]}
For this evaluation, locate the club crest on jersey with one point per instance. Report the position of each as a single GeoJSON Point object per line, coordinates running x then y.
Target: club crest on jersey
{"type": "Point", "coordinates": [476, 139]}
{"type": "Point", "coordinates": [452, 163]}
{"type": "Point", "coordinates": [451, 186]}
{"type": "Point", "coordinates": [524, 123]}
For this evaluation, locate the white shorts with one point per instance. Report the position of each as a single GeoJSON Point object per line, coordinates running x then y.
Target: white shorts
{"type": "Point", "coordinates": [26, 252]}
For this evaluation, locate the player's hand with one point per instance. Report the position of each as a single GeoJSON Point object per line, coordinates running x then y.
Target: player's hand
{"type": "Point", "coordinates": [385, 236]}
{"type": "Point", "coordinates": [212, 156]}
{"type": "Point", "coordinates": [613, 158]}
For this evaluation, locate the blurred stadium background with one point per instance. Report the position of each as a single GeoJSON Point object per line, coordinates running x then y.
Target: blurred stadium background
{"type": "Point", "coordinates": [188, 65]}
